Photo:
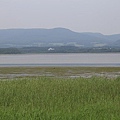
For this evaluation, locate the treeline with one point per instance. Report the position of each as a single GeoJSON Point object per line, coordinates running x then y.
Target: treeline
{"type": "Point", "coordinates": [9, 51]}
{"type": "Point", "coordinates": [68, 49]}
{"type": "Point", "coordinates": [59, 49]}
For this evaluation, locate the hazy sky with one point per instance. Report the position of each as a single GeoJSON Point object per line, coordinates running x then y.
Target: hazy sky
{"type": "Point", "coordinates": [78, 15]}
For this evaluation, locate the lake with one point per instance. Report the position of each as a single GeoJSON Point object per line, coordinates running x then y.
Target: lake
{"type": "Point", "coordinates": [62, 59]}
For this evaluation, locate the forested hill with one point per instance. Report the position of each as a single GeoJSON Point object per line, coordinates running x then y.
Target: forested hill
{"type": "Point", "coordinates": [17, 38]}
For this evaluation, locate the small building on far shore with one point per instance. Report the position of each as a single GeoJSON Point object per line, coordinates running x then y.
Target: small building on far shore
{"type": "Point", "coordinates": [51, 49]}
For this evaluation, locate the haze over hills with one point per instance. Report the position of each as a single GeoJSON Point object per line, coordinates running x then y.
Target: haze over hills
{"type": "Point", "coordinates": [55, 37]}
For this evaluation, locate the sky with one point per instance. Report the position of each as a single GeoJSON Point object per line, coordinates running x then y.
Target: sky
{"type": "Point", "coordinates": [101, 16]}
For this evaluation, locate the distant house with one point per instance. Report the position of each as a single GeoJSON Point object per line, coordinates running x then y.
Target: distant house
{"type": "Point", "coordinates": [51, 49]}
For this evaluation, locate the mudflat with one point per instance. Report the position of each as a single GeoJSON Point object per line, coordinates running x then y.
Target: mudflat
{"type": "Point", "coordinates": [71, 72]}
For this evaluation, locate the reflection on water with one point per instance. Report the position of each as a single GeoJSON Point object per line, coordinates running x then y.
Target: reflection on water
{"type": "Point", "coordinates": [61, 59]}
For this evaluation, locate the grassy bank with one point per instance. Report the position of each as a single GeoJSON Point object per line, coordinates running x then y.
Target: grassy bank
{"type": "Point", "coordinates": [56, 70]}
{"type": "Point", "coordinates": [51, 98]}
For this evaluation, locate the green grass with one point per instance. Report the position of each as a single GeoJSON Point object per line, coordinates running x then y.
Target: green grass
{"type": "Point", "coordinates": [50, 98]}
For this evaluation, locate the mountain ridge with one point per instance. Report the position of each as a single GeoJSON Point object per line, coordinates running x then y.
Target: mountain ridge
{"type": "Point", "coordinates": [54, 37]}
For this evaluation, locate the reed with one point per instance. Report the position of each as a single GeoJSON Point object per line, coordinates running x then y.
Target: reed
{"type": "Point", "coordinates": [51, 98]}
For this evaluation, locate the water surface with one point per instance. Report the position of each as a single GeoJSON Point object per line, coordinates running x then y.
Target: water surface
{"type": "Point", "coordinates": [84, 59]}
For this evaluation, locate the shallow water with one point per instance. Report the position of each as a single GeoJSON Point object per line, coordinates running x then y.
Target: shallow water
{"type": "Point", "coordinates": [84, 59]}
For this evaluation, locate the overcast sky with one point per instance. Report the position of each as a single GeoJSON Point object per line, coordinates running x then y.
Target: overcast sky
{"type": "Point", "coordinates": [78, 15]}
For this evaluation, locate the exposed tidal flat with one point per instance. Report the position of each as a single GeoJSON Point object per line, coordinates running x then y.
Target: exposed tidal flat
{"type": "Point", "coordinates": [61, 72]}
{"type": "Point", "coordinates": [59, 93]}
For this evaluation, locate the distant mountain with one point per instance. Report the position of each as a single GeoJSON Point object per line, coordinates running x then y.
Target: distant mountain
{"type": "Point", "coordinates": [53, 37]}
{"type": "Point", "coordinates": [117, 43]}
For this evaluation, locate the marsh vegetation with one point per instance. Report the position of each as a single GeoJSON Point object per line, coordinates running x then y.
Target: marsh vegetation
{"type": "Point", "coordinates": [59, 98]}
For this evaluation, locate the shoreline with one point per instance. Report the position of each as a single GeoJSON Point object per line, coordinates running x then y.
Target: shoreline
{"type": "Point", "coordinates": [63, 65]}
{"type": "Point", "coordinates": [60, 72]}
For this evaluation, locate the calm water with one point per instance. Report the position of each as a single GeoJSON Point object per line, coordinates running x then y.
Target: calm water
{"type": "Point", "coordinates": [86, 59]}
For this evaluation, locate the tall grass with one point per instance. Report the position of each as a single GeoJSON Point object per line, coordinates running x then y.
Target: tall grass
{"type": "Point", "coordinates": [45, 98]}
